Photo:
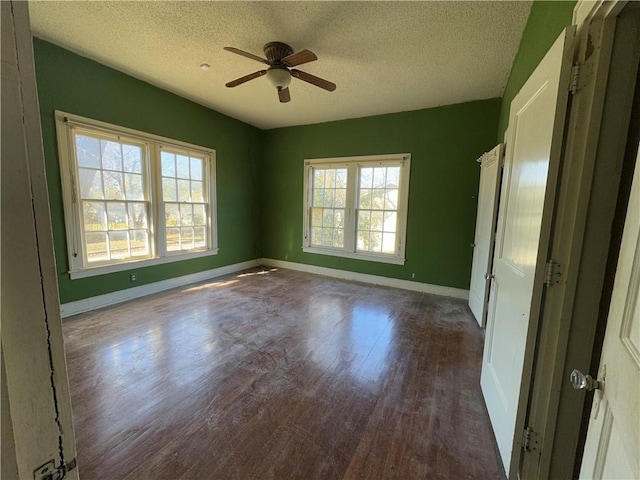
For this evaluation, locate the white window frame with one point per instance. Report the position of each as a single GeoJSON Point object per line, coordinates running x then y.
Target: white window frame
{"type": "Point", "coordinates": [353, 164]}
{"type": "Point", "coordinates": [153, 144]}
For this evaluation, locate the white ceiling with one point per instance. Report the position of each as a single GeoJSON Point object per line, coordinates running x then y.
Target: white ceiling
{"type": "Point", "coordinates": [384, 56]}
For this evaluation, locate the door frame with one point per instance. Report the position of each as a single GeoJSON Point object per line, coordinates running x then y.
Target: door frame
{"type": "Point", "coordinates": [36, 415]}
{"type": "Point", "coordinates": [588, 195]}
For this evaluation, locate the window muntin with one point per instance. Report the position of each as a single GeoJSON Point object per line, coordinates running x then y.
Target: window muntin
{"type": "Point", "coordinates": [124, 203]}
{"type": "Point", "coordinates": [356, 207]}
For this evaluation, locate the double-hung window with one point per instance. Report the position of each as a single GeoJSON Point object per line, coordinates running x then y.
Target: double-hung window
{"type": "Point", "coordinates": [356, 207]}
{"type": "Point", "coordinates": [131, 198]}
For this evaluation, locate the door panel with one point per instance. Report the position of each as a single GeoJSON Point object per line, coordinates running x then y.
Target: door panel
{"type": "Point", "coordinates": [612, 449]}
{"type": "Point", "coordinates": [490, 173]}
{"type": "Point", "coordinates": [528, 187]}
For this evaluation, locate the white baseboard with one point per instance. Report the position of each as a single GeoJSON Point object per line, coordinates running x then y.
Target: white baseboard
{"type": "Point", "coordinates": [87, 304]}
{"type": "Point", "coordinates": [366, 278]}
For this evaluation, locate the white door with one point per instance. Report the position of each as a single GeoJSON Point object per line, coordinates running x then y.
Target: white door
{"type": "Point", "coordinates": [536, 123]}
{"type": "Point", "coordinates": [490, 169]}
{"type": "Point", "coordinates": [612, 450]}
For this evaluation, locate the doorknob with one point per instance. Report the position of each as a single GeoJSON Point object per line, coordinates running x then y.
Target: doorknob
{"type": "Point", "coordinates": [488, 276]}
{"type": "Point", "coordinates": [580, 381]}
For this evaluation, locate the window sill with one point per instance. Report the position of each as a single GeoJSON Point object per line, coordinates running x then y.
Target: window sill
{"type": "Point", "coordinates": [370, 257]}
{"type": "Point", "coordinates": [133, 264]}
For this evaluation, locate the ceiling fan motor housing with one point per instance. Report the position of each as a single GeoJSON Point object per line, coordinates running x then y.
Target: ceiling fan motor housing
{"type": "Point", "coordinates": [276, 51]}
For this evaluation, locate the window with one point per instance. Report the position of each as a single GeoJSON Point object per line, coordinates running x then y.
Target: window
{"type": "Point", "coordinates": [132, 197]}
{"type": "Point", "coordinates": [357, 207]}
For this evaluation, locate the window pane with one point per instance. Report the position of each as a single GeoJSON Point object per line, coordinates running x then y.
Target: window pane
{"type": "Point", "coordinates": [366, 177]}
{"type": "Point", "coordinates": [364, 220]}
{"type": "Point", "coordinates": [330, 178]}
{"type": "Point", "coordinates": [318, 178]}
{"type": "Point", "coordinates": [111, 155]}
{"type": "Point", "coordinates": [113, 185]}
{"type": "Point", "coordinates": [364, 198]}
{"type": "Point", "coordinates": [199, 215]}
{"type": "Point", "coordinates": [377, 199]}
{"type": "Point", "coordinates": [182, 166]}
{"type": "Point", "coordinates": [316, 217]}
{"type": "Point", "coordinates": [318, 197]}
{"type": "Point", "coordinates": [116, 216]}
{"type": "Point", "coordinates": [186, 238]}
{"type": "Point", "coordinates": [327, 218]}
{"type": "Point", "coordinates": [391, 199]}
{"type": "Point", "coordinates": [196, 191]}
{"type": "Point", "coordinates": [137, 215]}
{"type": "Point", "coordinates": [338, 238]}
{"type": "Point", "coordinates": [133, 186]}
{"type": "Point", "coordinates": [139, 243]}
{"type": "Point", "coordinates": [393, 177]}
{"type": "Point", "coordinates": [328, 197]}
{"type": "Point", "coordinates": [338, 218]}
{"type": "Point", "coordinates": [186, 215]}
{"type": "Point", "coordinates": [390, 222]}
{"type": "Point", "coordinates": [327, 237]}
{"type": "Point", "coordinates": [172, 215]}
{"type": "Point", "coordinates": [173, 239]}
{"type": "Point", "coordinates": [132, 158]}
{"type": "Point", "coordinates": [200, 239]}
{"type": "Point", "coordinates": [376, 221]}
{"type": "Point", "coordinates": [340, 197]}
{"type": "Point", "coordinates": [316, 236]}
{"type": "Point", "coordinates": [169, 193]}
{"type": "Point", "coordinates": [168, 161]}
{"type": "Point", "coordinates": [184, 191]}
{"type": "Point", "coordinates": [388, 243]}
{"type": "Point", "coordinates": [363, 241]}
{"type": "Point", "coordinates": [341, 178]}
{"type": "Point", "coordinates": [119, 244]}
{"type": "Point", "coordinates": [375, 242]}
{"type": "Point", "coordinates": [97, 247]}
{"type": "Point", "coordinates": [196, 168]}
{"type": "Point", "coordinates": [95, 216]}
{"type": "Point", "coordinates": [90, 183]}
{"type": "Point", "coordinates": [379, 177]}
{"type": "Point", "coordinates": [88, 151]}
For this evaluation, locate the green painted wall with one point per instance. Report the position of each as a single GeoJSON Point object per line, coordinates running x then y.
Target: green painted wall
{"type": "Point", "coordinates": [77, 85]}
{"type": "Point", "coordinates": [546, 21]}
{"type": "Point", "coordinates": [444, 143]}
{"type": "Point", "coordinates": [260, 174]}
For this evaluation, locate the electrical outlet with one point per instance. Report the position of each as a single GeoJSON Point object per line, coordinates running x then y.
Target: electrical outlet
{"type": "Point", "coordinates": [132, 277]}
{"type": "Point", "coordinates": [413, 275]}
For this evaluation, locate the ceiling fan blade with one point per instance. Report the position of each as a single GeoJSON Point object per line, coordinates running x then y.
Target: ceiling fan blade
{"type": "Point", "coordinates": [313, 80]}
{"type": "Point", "coordinates": [246, 78]}
{"type": "Point", "coordinates": [284, 95]}
{"type": "Point", "coordinates": [298, 58]}
{"type": "Point", "coordinates": [246, 54]}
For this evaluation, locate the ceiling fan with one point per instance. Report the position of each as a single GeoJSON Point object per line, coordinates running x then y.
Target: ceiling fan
{"type": "Point", "coordinates": [281, 59]}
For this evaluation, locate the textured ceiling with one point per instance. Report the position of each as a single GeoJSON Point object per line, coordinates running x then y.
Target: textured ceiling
{"type": "Point", "coordinates": [384, 56]}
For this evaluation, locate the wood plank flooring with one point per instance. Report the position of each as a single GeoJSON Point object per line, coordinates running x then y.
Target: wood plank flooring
{"type": "Point", "coordinates": [280, 375]}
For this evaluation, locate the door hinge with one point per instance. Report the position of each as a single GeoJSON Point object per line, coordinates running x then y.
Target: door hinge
{"type": "Point", "coordinates": [530, 440]}
{"type": "Point", "coordinates": [552, 273]}
{"type": "Point", "coordinates": [574, 86]}
{"type": "Point", "coordinates": [49, 471]}
{"type": "Point", "coordinates": [581, 74]}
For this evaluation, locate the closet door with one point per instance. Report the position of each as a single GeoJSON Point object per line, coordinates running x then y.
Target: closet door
{"type": "Point", "coordinates": [488, 196]}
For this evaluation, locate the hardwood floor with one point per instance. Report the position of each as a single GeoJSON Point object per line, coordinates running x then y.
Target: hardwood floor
{"type": "Point", "coordinates": [280, 375]}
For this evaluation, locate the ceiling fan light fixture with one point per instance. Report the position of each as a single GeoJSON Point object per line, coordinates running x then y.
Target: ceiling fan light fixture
{"type": "Point", "coordinates": [278, 77]}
